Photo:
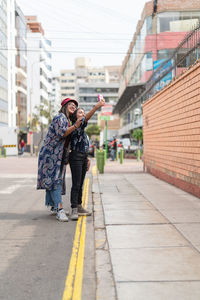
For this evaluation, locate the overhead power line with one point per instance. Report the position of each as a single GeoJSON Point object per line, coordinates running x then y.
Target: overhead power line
{"type": "Point", "coordinates": [66, 51]}
{"type": "Point", "coordinates": [107, 39]}
{"type": "Point", "coordinates": [78, 39]}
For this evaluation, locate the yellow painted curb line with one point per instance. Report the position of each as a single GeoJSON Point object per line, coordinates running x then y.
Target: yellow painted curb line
{"type": "Point", "coordinates": [80, 261]}
{"type": "Point", "coordinates": [94, 171]}
{"type": "Point", "coordinates": [75, 271]}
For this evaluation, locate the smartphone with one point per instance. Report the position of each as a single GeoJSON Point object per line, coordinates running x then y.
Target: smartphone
{"type": "Point", "coordinates": [100, 97]}
{"type": "Point", "coordinates": [83, 120]}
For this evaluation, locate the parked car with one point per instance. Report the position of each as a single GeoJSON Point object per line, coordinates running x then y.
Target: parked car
{"type": "Point", "coordinates": [91, 149]}
{"type": "Point", "coordinates": [128, 145]}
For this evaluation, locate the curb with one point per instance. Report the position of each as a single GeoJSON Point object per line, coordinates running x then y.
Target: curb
{"type": "Point", "coordinates": [105, 284]}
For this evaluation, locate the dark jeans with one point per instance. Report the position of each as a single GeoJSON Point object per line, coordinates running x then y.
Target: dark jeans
{"type": "Point", "coordinates": [78, 166]}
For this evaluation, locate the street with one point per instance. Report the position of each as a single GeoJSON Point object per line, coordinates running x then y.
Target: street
{"type": "Point", "coordinates": [35, 248]}
{"type": "Point", "coordinates": [123, 91]}
{"type": "Point", "coordinates": [142, 241]}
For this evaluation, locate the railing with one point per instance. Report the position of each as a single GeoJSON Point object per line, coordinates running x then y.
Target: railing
{"type": "Point", "coordinates": [185, 55]}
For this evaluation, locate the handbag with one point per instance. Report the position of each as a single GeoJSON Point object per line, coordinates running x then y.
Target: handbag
{"type": "Point", "coordinates": [65, 158]}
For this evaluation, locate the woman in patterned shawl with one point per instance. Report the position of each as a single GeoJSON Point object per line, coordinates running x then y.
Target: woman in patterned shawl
{"type": "Point", "coordinates": [51, 155]}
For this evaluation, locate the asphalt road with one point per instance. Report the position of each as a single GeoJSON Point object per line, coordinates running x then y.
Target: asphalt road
{"type": "Point", "coordinates": [35, 249]}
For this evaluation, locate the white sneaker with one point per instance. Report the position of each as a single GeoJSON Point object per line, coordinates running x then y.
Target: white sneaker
{"type": "Point", "coordinates": [61, 216]}
{"type": "Point", "coordinates": [53, 211]}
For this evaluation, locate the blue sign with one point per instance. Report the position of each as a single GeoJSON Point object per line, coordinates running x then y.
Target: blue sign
{"type": "Point", "coordinates": [165, 80]}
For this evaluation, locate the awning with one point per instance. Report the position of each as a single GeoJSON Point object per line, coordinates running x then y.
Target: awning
{"type": "Point", "coordinates": [130, 94]}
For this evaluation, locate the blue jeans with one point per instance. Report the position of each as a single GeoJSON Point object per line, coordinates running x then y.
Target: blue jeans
{"type": "Point", "coordinates": [113, 154]}
{"type": "Point", "coordinates": [53, 197]}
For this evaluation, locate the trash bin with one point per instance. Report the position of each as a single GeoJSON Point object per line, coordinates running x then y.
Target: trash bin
{"type": "Point", "coordinates": [5, 152]}
{"type": "Point", "coordinates": [101, 162]}
{"type": "Point", "coordinates": [121, 155]}
{"type": "Point", "coordinates": [97, 159]}
{"type": "Point", "coordinates": [2, 151]}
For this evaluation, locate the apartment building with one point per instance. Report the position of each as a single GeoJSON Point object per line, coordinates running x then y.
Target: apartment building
{"type": "Point", "coordinates": [13, 62]}
{"type": "Point", "coordinates": [113, 73]}
{"type": "Point", "coordinates": [11, 57]}
{"type": "Point", "coordinates": [87, 94]}
{"type": "Point", "coordinates": [85, 82]}
{"type": "Point", "coordinates": [67, 84]}
{"type": "Point", "coordinates": [55, 94]}
{"type": "Point", "coordinates": [39, 65]}
{"type": "Point", "coordinates": [162, 27]}
{"type": "Point", "coordinates": [21, 68]}
{"type": "Point", "coordinates": [3, 64]}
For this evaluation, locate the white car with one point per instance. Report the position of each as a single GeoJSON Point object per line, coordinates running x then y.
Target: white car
{"type": "Point", "coordinates": [128, 145]}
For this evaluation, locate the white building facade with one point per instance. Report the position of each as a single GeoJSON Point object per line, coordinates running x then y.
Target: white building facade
{"type": "Point", "coordinates": [85, 82]}
{"type": "Point", "coordinates": [3, 64]}
{"type": "Point", "coordinates": [13, 93]}
{"type": "Point", "coordinates": [21, 69]}
{"type": "Point", "coordinates": [55, 94]}
{"type": "Point", "coordinates": [87, 94]}
{"type": "Point", "coordinates": [39, 66]}
{"type": "Point", "coordinates": [11, 55]}
{"type": "Point", "coordinates": [68, 83]}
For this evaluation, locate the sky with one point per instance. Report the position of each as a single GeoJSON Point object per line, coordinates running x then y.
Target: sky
{"type": "Point", "coordinates": [100, 30]}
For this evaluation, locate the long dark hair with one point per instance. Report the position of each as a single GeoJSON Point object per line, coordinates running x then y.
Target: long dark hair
{"type": "Point", "coordinates": [64, 110]}
{"type": "Point", "coordinates": [73, 117]}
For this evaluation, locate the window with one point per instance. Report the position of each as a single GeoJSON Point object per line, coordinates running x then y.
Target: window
{"type": "Point", "coordinates": [67, 88]}
{"type": "Point", "coordinates": [177, 21]}
{"type": "Point", "coordinates": [3, 116]}
{"type": "Point", "coordinates": [165, 53]}
{"type": "Point", "coordinates": [149, 25]}
{"type": "Point", "coordinates": [149, 61]}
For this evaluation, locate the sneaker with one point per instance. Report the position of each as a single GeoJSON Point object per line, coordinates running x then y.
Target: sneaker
{"type": "Point", "coordinates": [53, 211]}
{"type": "Point", "coordinates": [83, 212]}
{"type": "Point", "coordinates": [74, 214]}
{"type": "Point", "coordinates": [61, 216]}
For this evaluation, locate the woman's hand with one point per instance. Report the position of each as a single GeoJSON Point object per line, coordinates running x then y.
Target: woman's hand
{"type": "Point", "coordinates": [100, 103]}
{"type": "Point", "coordinates": [88, 164]}
{"type": "Point", "coordinates": [73, 127]}
{"type": "Point", "coordinates": [94, 109]}
{"type": "Point", "coordinates": [78, 122]}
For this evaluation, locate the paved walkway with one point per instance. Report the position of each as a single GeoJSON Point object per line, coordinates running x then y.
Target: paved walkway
{"type": "Point", "coordinates": [149, 240]}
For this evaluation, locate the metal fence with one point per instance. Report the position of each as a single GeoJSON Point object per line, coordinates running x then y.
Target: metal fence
{"type": "Point", "coordinates": [185, 55]}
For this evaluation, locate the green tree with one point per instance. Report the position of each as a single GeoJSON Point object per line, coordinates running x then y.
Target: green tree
{"type": "Point", "coordinates": [92, 129]}
{"type": "Point", "coordinates": [138, 136]}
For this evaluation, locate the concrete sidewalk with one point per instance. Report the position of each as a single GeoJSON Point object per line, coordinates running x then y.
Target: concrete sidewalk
{"type": "Point", "coordinates": [147, 236]}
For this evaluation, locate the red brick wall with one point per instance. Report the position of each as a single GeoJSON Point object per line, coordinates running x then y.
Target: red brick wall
{"type": "Point", "coordinates": [171, 124]}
